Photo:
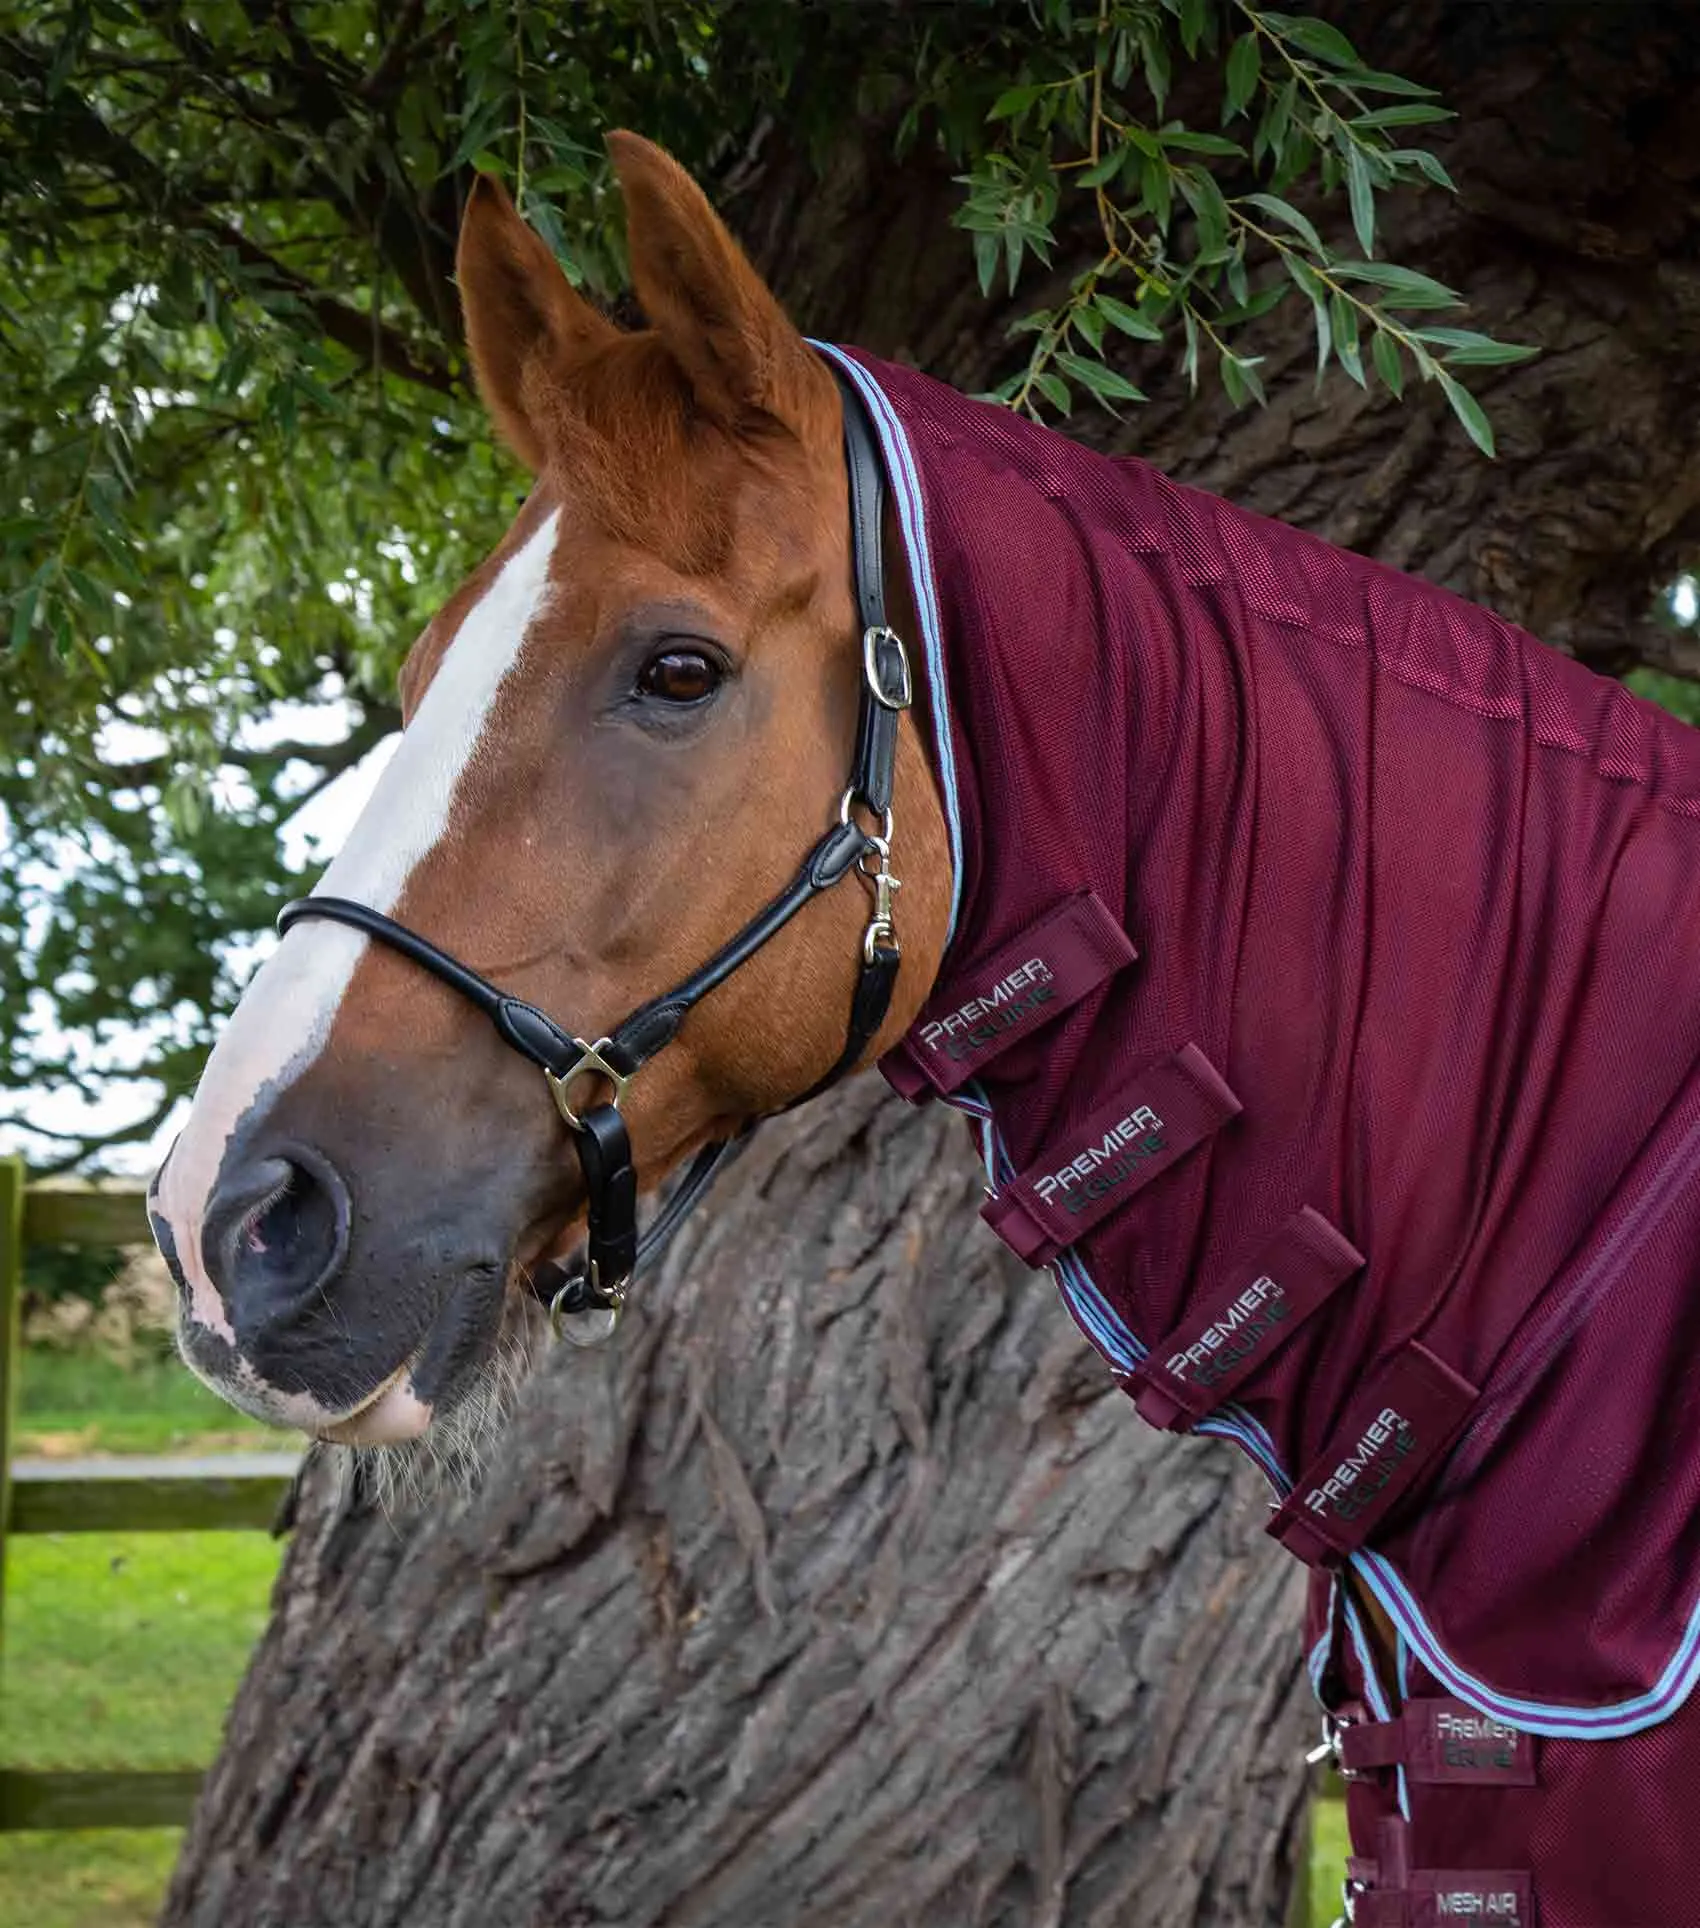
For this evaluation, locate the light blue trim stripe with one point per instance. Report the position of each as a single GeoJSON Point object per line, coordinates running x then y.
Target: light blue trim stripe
{"type": "Point", "coordinates": [1316, 1660]}
{"type": "Point", "coordinates": [1093, 1313]}
{"type": "Point", "coordinates": [1612, 1722]}
{"type": "Point", "coordinates": [1379, 1705]}
{"type": "Point", "coordinates": [912, 514]}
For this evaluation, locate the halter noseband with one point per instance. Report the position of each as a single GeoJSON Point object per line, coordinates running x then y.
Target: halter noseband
{"type": "Point", "coordinates": [614, 1251]}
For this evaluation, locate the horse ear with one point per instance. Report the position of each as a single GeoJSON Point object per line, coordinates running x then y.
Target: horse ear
{"type": "Point", "coordinates": [717, 316]}
{"type": "Point", "coordinates": [525, 322]}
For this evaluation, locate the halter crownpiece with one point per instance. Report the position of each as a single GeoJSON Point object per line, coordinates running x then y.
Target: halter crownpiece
{"type": "Point", "coordinates": [587, 1306]}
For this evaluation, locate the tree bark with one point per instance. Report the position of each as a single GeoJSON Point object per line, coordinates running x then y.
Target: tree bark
{"type": "Point", "coordinates": [845, 1589]}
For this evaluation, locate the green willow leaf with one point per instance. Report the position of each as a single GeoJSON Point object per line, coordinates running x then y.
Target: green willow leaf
{"type": "Point", "coordinates": [1190, 141]}
{"type": "Point", "coordinates": [1119, 315]}
{"type": "Point", "coordinates": [1289, 216]}
{"type": "Point", "coordinates": [1469, 412]}
{"type": "Point", "coordinates": [1361, 192]}
{"type": "Point", "coordinates": [1404, 287]}
{"type": "Point", "coordinates": [1013, 101]}
{"type": "Point", "coordinates": [1412, 114]}
{"type": "Point", "coordinates": [1465, 348]}
{"type": "Point", "coordinates": [1426, 163]}
{"type": "Point", "coordinates": [986, 250]}
{"type": "Point", "coordinates": [1314, 37]}
{"type": "Point", "coordinates": [24, 614]}
{"type": "Point", "coordinates": [1103, 170]}
{"type": "Point", "coordinates": [1367, 80]}
{"type": "Point", "coordinates": [1384, 351]}
{"type": "Point", "coordinates": [1245, 64]}
{"type": "Point", "coordinates": [1103, 381]}
{"type": "Point", "coordinates": [1344, 318]}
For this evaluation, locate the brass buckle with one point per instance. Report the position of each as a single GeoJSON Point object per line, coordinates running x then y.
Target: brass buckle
{"type": "Point", "coordinates": [590, 1063]}
{"type": "Point", "coordinates": [872, 636]}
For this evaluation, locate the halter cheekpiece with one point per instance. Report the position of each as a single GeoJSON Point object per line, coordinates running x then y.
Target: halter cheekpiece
{"type": "Point", "coordinates": [587, 1306]}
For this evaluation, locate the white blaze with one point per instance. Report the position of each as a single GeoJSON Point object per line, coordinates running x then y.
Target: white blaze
{"type": "Point", "coordinates": [287, 1012]}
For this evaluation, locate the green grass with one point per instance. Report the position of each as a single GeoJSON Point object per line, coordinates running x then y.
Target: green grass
{"type": "Point", "coordinates": [70, 1403]}
{"type": "Point", "coordinates": [121, 1650]}
{"type": "Point", "coordinates": [85, 1880]}
{"type": "Point", "coordinates": [1328, 1851]}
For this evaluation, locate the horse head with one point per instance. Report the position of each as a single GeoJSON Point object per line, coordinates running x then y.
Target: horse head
{"type": "Point", "coordinates": [621, 735]}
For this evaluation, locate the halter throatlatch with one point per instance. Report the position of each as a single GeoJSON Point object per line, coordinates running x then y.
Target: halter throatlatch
{"type": "Point", "coordinates": [585, 1306]}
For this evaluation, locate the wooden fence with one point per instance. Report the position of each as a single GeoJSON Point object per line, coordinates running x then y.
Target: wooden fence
{"type": "Point", "coordinates": [140, 1496]}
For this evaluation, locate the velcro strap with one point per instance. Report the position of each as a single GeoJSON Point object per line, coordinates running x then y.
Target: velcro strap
{"type": "Point", "coordinates": [1261, 1303]}
{"type": "Point", "coordinates": [1165, 1111]}
{"type": "Point", "coordinates": [1439, 1898]}
{"type": "Point", "coordinates": [1442, 1743]}
{"type": "Point", "coordinates": [1389, 1435]}
{"type": "Point", "coordinates": [1007, 996]}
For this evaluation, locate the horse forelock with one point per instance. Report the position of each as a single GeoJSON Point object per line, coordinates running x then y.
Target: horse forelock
{"type": "Point", "coordinates": [633, 450]}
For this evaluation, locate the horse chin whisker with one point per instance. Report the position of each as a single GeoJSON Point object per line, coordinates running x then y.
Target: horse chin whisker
{"type": "Point", "coordinates": [448, 1460]}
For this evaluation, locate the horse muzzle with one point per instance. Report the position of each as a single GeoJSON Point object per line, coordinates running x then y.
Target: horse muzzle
{"type": "Point", "coordinates": [289, 1311]}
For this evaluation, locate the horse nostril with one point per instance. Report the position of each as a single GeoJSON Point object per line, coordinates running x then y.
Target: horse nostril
{"type": "Point", "coordinates": [276, 1234]}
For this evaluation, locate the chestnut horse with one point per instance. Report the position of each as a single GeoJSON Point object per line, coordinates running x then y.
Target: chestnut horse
{"type": "Point", "coordinates": [649, 667]}
{"type": "Point", "coordinates": [1316, 955]}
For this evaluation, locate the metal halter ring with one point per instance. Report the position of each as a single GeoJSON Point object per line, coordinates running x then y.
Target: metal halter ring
{"type": "Point", "coordinates": [566, 1324]}
{"type": "Point", "coordinates": [846, 808]}
{"type": "Point", "coordinates": [591, 1063]}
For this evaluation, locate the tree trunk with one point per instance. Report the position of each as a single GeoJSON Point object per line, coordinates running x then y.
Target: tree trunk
{"type": "Point", "coordinates": [845, 1588]}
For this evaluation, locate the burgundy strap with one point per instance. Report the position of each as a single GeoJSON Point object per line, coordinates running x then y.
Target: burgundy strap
{"type": "Point", "coordinates": [1389, 1435]}
{"type": "Point", "coordinates": [1002, 998]}
{"type": "Point", "coordinates": [1442, 1743]}
{"type": "Point", "coordinates": [1262, 1301]}
{"type": "Point", "coordinates": [1164, 1111]}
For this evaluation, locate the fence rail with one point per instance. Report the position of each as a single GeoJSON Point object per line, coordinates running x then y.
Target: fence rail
{"type": "Point", "coordinates": [135, 1496]}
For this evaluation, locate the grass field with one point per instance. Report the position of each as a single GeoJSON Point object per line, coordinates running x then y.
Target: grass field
{"type": "Point", "coordinates": [85, 1880]}
{"type": "Point", "coordinates": [121, 1650]}
{"type": "Point", "coordinates": [71, 1403]}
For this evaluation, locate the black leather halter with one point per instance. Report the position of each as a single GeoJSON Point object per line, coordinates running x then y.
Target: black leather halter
{"type": "Point", "coordinates": [614, 1250]}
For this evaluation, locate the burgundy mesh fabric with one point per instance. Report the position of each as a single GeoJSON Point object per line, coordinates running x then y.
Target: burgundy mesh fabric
{"type": "Point", "coordinates": [1427, 896]}
{"type": "Point", "coordinates": [1603, 1837]}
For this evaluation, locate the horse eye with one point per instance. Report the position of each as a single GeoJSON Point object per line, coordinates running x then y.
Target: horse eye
{"type": "Point", "coordinates": [680, 676]}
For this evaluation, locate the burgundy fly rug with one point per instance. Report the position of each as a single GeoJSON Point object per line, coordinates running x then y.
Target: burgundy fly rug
{"type": "Point", "coordinates": [1324, 990]}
